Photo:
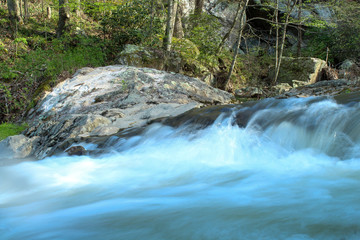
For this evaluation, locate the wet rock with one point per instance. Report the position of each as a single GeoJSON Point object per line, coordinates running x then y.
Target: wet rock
{"type": "Point", "coordinates": [76, 151]}
{"type": "Point", "coordinates": [20, 146]}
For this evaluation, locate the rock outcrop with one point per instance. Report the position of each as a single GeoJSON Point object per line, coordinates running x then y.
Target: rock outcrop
{"type": "Point", "coordinates": [300, 70]}
{"type": "Point", "coordinates": [102, 101]}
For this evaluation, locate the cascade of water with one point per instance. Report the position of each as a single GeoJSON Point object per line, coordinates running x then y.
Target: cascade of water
{"type": "Point", "coordinates": [278, 169]}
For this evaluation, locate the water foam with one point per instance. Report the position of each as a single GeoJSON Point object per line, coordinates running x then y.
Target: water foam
{"type": "Point", "coordinates": [284, 176]}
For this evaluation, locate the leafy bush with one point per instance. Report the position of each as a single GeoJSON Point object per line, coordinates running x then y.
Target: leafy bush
{"type": "Point", "coordinates": [203, 30]}
{"type": "Point", "coordinates": [9, 129]}
{"type": "Point", "coordinates": [342, 38]}
{"type": "Point", "coordinates": [185, 47]}
{"type": "Point", "coordinates": [29, 75]}
{"type": "Point", "coordinates": [132, 23]}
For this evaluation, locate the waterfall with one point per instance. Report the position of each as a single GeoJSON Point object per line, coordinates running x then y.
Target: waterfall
{"type": "Point", "coordinates": [276, 169]}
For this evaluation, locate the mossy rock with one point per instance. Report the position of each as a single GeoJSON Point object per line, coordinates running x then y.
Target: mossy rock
{"type": "Point", "coordinates": [186, 48]}
{"type": "Point", "coordinates": [307, 70]}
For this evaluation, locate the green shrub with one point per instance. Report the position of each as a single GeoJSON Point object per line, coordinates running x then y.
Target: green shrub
{"type": "Point", "coordinates": [10, 129]}
{"type": "Point", "coordinates": [203, 30]}
{"type": "Point", "coordinates": [186, 48]}
{"type": "Point", "coordinates": [40, 68]}
{"type": "Point", "coordinates": [342, 38]}
{"type": "Point", "coordinates": [132, 23]}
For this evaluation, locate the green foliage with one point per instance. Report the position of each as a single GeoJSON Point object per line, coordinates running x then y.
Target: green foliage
{"type": "Point", "coordinates": [20, 40]}
{"type": "Point", "coordinates": [9, 129]}
{"type": "Point", "coordinates": [342, 38]}
{"type": "Point", "coordinates": [203, 30]}
{"type": "Point", "coordinates": [36, 42]}
{"type": "Point", "coordinates": [40, 69]}
{"type": "Point", "coordinates": [132, 23]}
{"type": "Point", "coordinates": [99, 9]}
{"type": "Point", "coordinates": [186, 48]}
{"type": "Point", "coordinates": [253, 70]}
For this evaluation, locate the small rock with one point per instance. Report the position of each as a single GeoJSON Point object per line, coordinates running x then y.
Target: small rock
{"type": "Point", "coordinates": [76, 151]}
{"type": "Point", "coordinates": [347, 64]}
{"type": "Point", "coordinates": [248, 92]}
{"type": "Point", "coordinates": [21, 146]}
{"type": "Point", "coordinates": [281, 88]}
{"type": "Point", "coordinates": [104, 131]}
{"type": "Point", "coordinates": [297, 83]}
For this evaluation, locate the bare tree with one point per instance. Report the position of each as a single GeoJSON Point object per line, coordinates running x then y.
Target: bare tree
{"type": "Point", "coordinates": [26, 9]}
{"type": "Point", "coordinates": [277, 26]}
{"type": "Point", "coordinates": [171, 15]}
{"type": "Point", "coordinates": [64, 16]}
{"type": "Point", "coordinates": [299, 30]}
{"type": "Point", "coordinates": [227, 35]}
{"type": "Point", "coordinates": [242, 25]}
{"type": "Point", "coordinates": [280, 49]}
{"type": "Point", "coordinates": [178, 28]}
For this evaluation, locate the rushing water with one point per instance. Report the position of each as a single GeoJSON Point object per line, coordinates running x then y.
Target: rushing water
{"type": "Point", "coordinates": [291, 172]}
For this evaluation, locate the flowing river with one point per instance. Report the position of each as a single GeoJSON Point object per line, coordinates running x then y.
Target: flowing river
{"type": "Point", "coordinates": [277, 169]}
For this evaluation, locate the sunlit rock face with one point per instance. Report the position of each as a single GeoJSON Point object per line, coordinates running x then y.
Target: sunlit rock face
{"type": "Point", "coordinates": [102, 101]}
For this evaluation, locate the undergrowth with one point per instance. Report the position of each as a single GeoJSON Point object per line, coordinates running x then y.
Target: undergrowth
{"type": "Point", "coordinates": [9, 129]}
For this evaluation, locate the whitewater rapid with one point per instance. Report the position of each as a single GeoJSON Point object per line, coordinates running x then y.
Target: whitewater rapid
{"type": "Point", "coordinates": [291, 172]}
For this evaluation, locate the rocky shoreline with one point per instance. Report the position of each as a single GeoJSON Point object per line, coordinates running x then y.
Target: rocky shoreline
{"type": "Point", "coordinates": [101, 102]}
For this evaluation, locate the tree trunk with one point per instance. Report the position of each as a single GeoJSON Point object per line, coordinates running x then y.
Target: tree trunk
{"type": "Point", "coordinates": [20, 9]}
{"type": "Point", "coordinates": [289, 9]}
{"type": "Point", "coordinates": [14, 11]}
{"type": "Point", "coordinates": [299, 30]}
{"type": "Point", "coordinates": [26, 9]}
{"type": "Point", "coordinates": [172, 6]}
{"type": "Point", "coordinates": [152, 15]}
{"type": "Point", "coordinates": [64, 16]}
{"type": "Point", "coordinates": [199, 5]}
{"type": "Point", "coordinates": [277, 25]}
{"type": "Point", "coordinates": [178, 28]}
{"type": "Point", "coordinates": [226, 36]}
{"type": "Point", "coordinates": [242, 25]}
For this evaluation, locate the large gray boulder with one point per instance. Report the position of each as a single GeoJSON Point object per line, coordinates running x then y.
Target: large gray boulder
{"type": "Point", "coordinates": [102, 101]}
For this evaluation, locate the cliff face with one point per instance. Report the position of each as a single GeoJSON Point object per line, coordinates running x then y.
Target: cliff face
{"type": "Point", "coordinates": [259, 16]}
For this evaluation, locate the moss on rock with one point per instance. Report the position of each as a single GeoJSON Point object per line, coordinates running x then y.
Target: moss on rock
{"type": "Point", "coordinates": [307, 70]}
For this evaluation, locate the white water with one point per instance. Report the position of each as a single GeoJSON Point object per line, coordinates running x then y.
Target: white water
{"type": "Point", "coordinates": [293, 173]}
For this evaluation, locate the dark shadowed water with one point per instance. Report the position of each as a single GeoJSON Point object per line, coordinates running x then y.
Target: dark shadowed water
{"type": "Point", "coordinates": [290, 170]}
